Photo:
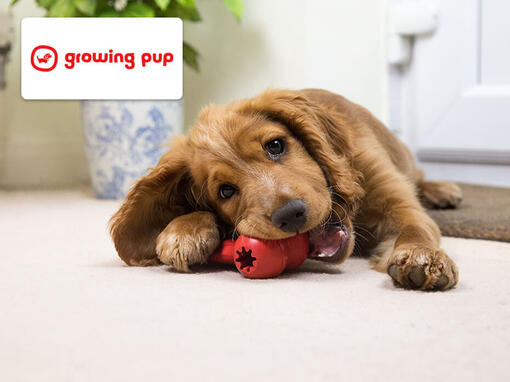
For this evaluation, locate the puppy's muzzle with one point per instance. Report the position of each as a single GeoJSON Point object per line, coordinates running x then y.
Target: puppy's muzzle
{"type": "Point", "coordinates": [290, 217]}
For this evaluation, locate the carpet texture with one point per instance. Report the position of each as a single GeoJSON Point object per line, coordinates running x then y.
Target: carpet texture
{"type": "Point", "coordinates": [483, 214]}
{"type": "Point", "coordinates": [71, 311]}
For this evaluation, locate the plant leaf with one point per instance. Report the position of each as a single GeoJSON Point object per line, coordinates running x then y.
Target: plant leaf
{"type": "Point", "coordinates": [190, 56]}
{"type": "Point", "coordinates": [236, 7]}
{"type": "Point", "coordinates": [87, 7]}
{"type": "Point", "coordinates": [13, 2]}
{"type": "Point", "coordinates": [110, 13]}
{"type": "Point", "coordinates": [187, 3]}
{"type": "Point", "coordinates": [138, 10]}
{"type": "Point", "coordinates": [162, 4]}
{"type": "Point", "coordinates": [45, 3]}
{"type": "Point", "coordinates": [62, 8]}
{"type": "Point", "coordinates": [185, 13]}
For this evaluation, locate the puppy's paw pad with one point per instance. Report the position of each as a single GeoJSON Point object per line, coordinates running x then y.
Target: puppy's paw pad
{"type": "Point", "coordinates": [422, 268]}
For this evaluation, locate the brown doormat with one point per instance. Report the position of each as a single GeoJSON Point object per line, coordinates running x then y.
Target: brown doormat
{"type": "Point", "coordinates": [483, 214]}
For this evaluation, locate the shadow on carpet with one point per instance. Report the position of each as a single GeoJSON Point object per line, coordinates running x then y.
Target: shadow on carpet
{"type": "Point", "coordinates": [483, 214]}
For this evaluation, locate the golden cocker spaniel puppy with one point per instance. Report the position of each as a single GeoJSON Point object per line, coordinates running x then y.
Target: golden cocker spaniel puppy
{"type": "Point", "coordinates": [285, 162]}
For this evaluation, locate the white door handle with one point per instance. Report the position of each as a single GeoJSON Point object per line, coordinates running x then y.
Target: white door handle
{"type": "Point", "coordinates": [407, 20]}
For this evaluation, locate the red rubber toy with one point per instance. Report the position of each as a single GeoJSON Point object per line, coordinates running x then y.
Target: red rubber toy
{"type": "Point", "coordinates": [261, 259]}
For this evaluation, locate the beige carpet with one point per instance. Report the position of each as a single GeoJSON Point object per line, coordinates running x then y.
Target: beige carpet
{"type": "Point", "coordinates": [72, 312]}
{"type": "Point", "coordinates": [483, 214]}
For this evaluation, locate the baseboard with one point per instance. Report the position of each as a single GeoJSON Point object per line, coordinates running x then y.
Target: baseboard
{"type": "Point", "coordinates": [494, 175]}
{"type": "Point", "coordinates": [492, 157]}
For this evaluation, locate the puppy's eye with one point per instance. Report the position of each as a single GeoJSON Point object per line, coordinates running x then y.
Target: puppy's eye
{"type": "Point", "coordinates": [275, 147]}
{"type": "Point", "coordinates": [226, 191]}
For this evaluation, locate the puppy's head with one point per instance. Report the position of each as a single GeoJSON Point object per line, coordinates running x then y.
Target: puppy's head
{"type": "Point", "coordinates": [277, 165]}
{"type": "Point", "coordinates": [256, 175]}
{"type": "Point", "coordinates": [269, 167]}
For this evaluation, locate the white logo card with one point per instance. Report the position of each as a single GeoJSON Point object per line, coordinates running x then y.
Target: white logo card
{"type": "Point", "coordinates": [101, 58]}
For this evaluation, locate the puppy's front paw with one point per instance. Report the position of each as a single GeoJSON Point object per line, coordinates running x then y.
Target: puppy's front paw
{"type": "Point", "coordinates": [187, 240]}
{"type": "Point", "coordinates": [422, 268]}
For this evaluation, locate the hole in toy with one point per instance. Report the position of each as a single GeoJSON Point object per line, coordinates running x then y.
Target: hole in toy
{"type": "Point", "coordinates": [244, 258]}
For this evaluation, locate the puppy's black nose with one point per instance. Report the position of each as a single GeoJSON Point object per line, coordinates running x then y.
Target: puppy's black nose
{"type": "Point", "coordinates": [291, 216]}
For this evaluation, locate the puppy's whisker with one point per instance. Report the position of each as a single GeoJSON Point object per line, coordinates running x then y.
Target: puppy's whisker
{"type": "Point", "coordinates": [236, 223]}
{"type": "Point", "coordinates": [358, 228]}
{"type": "Point", "coordinates": [343, 210]}
{"type": "Point", "coordinates": [336, 194]}
{"type": "Point", "coordinates": [339, 220]}
{"type": "Point", "coordinates": [362, 236]}
{"type": "Point", "coordinates": [329, 220]}
{"type": "Point", "coordinates": [326, 222]}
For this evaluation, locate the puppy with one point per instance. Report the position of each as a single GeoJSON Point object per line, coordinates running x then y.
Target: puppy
{"type": "Point", "coordinates": [285, 162]}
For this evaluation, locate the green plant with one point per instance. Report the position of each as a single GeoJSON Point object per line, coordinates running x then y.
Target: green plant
{"type": "Point", "coordinates": [185, 9]}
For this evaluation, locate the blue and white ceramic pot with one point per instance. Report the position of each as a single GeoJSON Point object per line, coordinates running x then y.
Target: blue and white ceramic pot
{"type": "Point", "coordinates": [124, 138]}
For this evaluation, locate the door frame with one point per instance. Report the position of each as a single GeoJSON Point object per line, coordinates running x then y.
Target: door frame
{"type": "Point", "coordinates": [427, 119]}
{"type": "Point", "coordinates": [434, 57]}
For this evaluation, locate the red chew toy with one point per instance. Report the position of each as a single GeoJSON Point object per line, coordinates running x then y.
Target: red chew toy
{"type": "Point", "coordinates": [260, 259]}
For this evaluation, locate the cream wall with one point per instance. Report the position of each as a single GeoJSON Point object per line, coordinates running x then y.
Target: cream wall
{"type": "Point", "coordinates": [42, 140]}
{"type": "Point", "coordinates": [338, 45]}
{"type": "Point", "coordinates": [334, 44]}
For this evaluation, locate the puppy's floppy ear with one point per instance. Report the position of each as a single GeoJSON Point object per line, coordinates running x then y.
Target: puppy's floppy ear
{"type": "Point", "coordinates": [324, 133]}
{"type": "Point", "coordinates": [150, 205]}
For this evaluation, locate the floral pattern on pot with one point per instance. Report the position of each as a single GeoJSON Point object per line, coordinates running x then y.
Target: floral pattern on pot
{"type": "Point", "coordinates": [124, 139]}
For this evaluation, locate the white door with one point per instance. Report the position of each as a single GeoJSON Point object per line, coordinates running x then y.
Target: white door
{"type": "Point", "coordinates": [457, 93]}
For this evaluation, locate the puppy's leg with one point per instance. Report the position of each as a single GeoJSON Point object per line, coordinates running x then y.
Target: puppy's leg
{"type": "Point", "coordinates": [411, 254]}
{"type": "Point", "coordinates": [437, 194]}
{"type": "Point", "coordinates": [187, 240]}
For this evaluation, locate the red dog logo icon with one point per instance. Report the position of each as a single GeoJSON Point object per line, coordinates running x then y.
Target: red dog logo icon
{"type": "Point", "coordinates": [46, 58]}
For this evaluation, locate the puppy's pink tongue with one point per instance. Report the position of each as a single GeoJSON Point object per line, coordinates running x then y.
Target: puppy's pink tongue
{"type": "Point", "coordinates": [327, 243]}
